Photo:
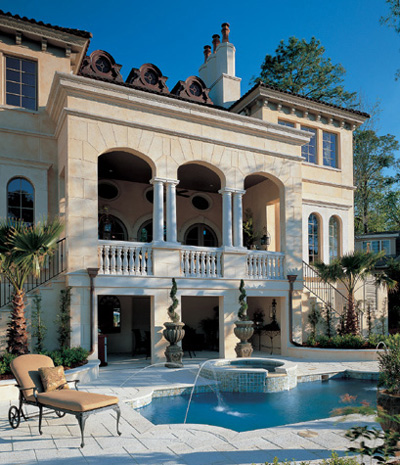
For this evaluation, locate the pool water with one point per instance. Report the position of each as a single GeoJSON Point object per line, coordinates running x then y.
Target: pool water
{"type": "Point", "coordinates": [247, 411]}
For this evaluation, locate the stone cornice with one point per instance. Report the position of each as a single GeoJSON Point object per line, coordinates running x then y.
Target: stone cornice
{"type": "Point", "coordinates": [24, 132]}
{"type": "Point", "coordinates": [29, 163]}
{"type": "Point", "coordinates": [326, 204]}
{"type": "Point", "coordinates": [294, 101]}
{"type": "Point", "coordinates": [81, 87]}
{"type": "Point", "coordinates": [329, 184]}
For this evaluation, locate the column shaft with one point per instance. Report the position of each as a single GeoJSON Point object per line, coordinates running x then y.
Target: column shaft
{"type": "Point", "coordinates": [158, 211]}
{"type": "Point", "coordinates": [238, 219]}
{"type": "Point", "coordinates": [171, 211]}
{"type": "Point", "coordinates": [227, 218]}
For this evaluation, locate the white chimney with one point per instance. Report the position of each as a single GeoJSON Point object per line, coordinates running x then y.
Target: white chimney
{"type": "Point", "coordinates": [218, 71]}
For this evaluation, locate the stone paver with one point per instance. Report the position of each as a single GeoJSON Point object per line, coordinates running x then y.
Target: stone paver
{"type": "Point", "coordinates": [144, 443]}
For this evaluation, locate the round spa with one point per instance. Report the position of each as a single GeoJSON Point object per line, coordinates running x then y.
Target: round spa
{"type": "Point", "coordinates": [251, 374]}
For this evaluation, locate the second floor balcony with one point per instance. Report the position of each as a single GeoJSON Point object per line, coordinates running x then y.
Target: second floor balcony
{"type": "Point", "coordinates": [123, 258]}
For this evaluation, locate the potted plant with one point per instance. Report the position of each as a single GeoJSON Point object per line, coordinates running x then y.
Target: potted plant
{"type": "Point", "coordinates": [388, 398]}
{"type": "Point", "coordinates": [173, 332]}
{"type": "Point", "coordinates": [244, 327]}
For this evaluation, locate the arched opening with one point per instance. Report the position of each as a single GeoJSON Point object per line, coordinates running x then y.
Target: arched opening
{"type": "Point", "coordinates": [20, 200]}
{"type": "Point", "coordinates": [261, 213]}
{"type": "Point", "coordinates": [314, 238]}
{"type": "Point", "coordinates": [111, 228]}
{"type": "Point", "coordinates": [198, 204]}
{"type": "Point", "coordinates": [200, 235]}
{"type": "Point", "coordinates": [123, 180]}
{"type": "Point", "coordinates": [334, 238]}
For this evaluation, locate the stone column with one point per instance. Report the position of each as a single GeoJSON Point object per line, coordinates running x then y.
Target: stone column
{"type": "Point", "coordinates": [238, 218]}
{"type": "Point", "coordinates": [226, 217]}
{"type": "Point", "coordinates": [171, 210]}
{"type": "Point", "coordinates": [158, 209]}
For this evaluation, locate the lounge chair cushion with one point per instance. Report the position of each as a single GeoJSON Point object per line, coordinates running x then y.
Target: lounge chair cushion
{"type": "Point", "coordinates": [76, 401]}
{"type": "Point", "coordinates": [53, 378]}
{"type": "Point", "coordinates": [25, 369]}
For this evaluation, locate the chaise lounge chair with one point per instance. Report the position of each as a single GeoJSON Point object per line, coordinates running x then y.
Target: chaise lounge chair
{"type": "Point", "coordinates": [62, 400]}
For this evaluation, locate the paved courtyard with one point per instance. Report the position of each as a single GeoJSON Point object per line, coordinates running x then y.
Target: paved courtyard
{"type": "Point", "coordinates": [143, 443]}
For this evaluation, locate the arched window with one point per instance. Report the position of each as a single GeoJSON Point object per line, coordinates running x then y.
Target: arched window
{"type": "Point", "coordinates": [145, 232]}
{"type": "Point", "coordinates": [201, 235]}
{"type": "Point", "coordinates": [313, 239]}
{"type": "Point", "coordinates": [334, 238]}
{"type": "Point", "coordinates": [20, 200]}
{"type": "Point", "coordinates": [111, 228]}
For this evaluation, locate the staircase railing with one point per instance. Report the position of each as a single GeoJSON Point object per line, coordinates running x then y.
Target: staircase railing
{"type": "Point", "coordinates": [324, 291]}
{"type": "Point", "coordinates": [53, 266]}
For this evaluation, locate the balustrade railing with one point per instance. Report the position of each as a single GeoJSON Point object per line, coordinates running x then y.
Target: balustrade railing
{"type": "Point", "coordinates": [265, 265]}
{"type": "Point", "coordinates": [125, 258]}
{"type": "Point", "coordinates": [201, 262]}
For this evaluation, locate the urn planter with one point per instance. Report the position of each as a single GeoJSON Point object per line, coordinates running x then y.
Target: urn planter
{"type": "Point", "coordinates": [174, 333]}
{"type": "Point", "coordinates": [244, 330]}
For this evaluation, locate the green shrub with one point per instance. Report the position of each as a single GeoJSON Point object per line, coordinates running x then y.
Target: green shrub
{"type": "Point", "coordinates": [69, 356]}
{"type": "Point", "coordinates": [334, 459]}
{"type": "Point", "coordinates": [5, 361]}
{"type": "Point", "coordinates": [346, 341]}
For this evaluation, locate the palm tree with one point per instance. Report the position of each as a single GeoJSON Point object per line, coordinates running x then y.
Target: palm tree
{"type": "Point", "coordinates": [23, 249]}
{"type": "Point", "coordinates": [350, 270]}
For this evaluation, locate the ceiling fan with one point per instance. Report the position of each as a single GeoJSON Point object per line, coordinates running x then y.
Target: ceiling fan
{"type": "Point", "coordinates": [182, 193]}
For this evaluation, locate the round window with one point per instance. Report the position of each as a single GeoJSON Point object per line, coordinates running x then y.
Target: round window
{"type": "Point", "coordinates": [149, 195]}
{"type": "Point", "coordinates": [108, 191]}
{"type": "Point", "coordinates": [200, 202]}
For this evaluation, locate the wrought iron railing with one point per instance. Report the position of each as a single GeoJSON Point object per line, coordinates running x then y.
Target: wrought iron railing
{"type": "Point", "coordinates": [323, 291]}
{"type": "Point", "coordinates": [53, 266]}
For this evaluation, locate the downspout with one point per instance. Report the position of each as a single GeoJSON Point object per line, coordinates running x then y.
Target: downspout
{"type": "Point", "coordinates": [92, 272]}
{"type": "Point", "coordinates": [291, 278]}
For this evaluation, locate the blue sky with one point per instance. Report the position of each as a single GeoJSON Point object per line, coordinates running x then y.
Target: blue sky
{"type": "Point", "coordinates": [172, 35]}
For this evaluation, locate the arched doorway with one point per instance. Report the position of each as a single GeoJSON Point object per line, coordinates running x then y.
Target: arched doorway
{"type": "Point", "coordinates": [199, 205]}
{"type": "Point", "coordinates": [123, 181]}
{"type": "Point", "coordinates": [262, 213]}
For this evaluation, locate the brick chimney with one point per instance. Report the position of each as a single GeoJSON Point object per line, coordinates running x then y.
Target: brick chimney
{"type": "Point", "coordinates": [218, 70]}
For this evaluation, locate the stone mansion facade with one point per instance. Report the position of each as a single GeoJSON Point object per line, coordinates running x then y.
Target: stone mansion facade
{"type": "Point", "coordinates": [154, 181]}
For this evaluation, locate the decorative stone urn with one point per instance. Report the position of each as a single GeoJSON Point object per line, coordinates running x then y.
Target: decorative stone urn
{"type": "Point", "coordinates": [244, 330]}
{"type": "Point", "coordinates": [174, 333]}
{"type": "Point", "coordinates": [391, 405]}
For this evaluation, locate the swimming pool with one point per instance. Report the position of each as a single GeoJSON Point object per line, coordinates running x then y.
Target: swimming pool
{"type": "Point", "coordinates": [250, 411]}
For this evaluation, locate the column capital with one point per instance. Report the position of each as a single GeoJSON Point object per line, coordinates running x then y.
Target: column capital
{"type": "Point", "coordinates": [231, 190]}
{"type": "Point", "coordinates": [165, 180]}
{"type": "Point", "coordinates": [156, 180]}
{"type": "Point", "coordinates": [173, 182]}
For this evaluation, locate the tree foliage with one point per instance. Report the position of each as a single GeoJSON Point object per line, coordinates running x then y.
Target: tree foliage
{"type": "Point", "coordinates": [351, 269]}
{"type": "Point", "coordinates": [300, 67]}
{"type": "Point", "coordinates": [23, 250]}
{"type": "Point", "coordinates": [372, 154]}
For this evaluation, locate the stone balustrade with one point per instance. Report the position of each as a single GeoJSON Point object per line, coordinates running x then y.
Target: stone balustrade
{"type": "Point", "coordinates": [125, 258]}
{"type": "Point", "coordinates": [265, 265]}
{"type": "Point", "coordinates": [201, 262]}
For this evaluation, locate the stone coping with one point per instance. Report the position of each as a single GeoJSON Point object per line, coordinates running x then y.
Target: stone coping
{"type": "Point", "coordinates": [330, 355]}
{"type": "Point", "coordinates": [85, 373]}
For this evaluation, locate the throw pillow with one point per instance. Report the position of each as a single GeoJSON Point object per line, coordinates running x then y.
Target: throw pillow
{"type": "Point", "coordinates": [53, 378]}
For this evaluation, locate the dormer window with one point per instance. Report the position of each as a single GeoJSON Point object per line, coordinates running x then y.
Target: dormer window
{"type": "Point", "coordinates": [21, 83]}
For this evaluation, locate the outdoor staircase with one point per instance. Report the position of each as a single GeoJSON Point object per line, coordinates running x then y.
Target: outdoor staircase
{"type": "Point", "coordinates": [53, 266]}
{"type": "Point", "coordinates": [323, 292]}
